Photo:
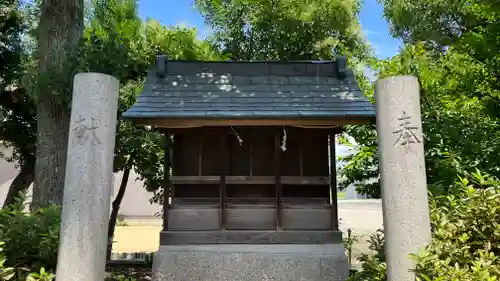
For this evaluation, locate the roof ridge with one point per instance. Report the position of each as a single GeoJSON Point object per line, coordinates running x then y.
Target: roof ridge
{"type": "Point", "coordinates": [337, 67]}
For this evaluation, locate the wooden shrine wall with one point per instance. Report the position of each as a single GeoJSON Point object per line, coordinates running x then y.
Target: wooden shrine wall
{"type": "Point", "coordinates": [225, 178]}
{"type": "Point", "coordinates": [204, 152]}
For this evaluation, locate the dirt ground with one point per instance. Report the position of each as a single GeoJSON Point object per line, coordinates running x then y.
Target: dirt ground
{"type": "Point", "coordinates": [136, 238]}
{"type": "Point", "coordinates": [139, 273]}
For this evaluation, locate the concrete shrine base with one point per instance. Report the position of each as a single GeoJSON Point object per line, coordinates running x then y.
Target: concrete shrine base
{"type": "Point", "coordinates": [247, 262]}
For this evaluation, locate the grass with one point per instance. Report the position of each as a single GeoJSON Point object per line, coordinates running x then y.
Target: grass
{"type": "Point", "coordinates": [341, 195]}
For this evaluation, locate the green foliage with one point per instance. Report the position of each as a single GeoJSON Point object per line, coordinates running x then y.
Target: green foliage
{"type": "Point", "coordinates": [465, 236]}
{"type": "Point", "coordinates": [11, 28]}
{"type": "Point", "coordinates": [6, 273]}
{"type": "Point", "coordinates": [18, 127]}
{"type": "Point", "coordinates": [9, 273]}
{"type": "Point", "coordinates": [453, 85]}
{"type": "Point", "coordinates": [110, 43]}
{"type": "Point", "coordinates": [17, 111]}
{"type": "Point", "coordinates": [349, 242]}
{"type": "Point", "coordinates": [373, 265]}
{"type": "Point", "coordinates": [285, 30]}
{"type": "Point", "coordinates": [445, 23]}
{"type": "Point", "coordinates": [466, 233]}
{"type": "Point", "coordinates": [360, 166]}
{"type": "Point", "coordinates": [30, 240]}
{"type": "Point", "coordinates": [29, 244]}
{"type": "Point", "coordinates": [42, 275]}
{"type": "Point", "coordinates": [118, 43]}
{"type": "Point", "coordinates": [454, 50]}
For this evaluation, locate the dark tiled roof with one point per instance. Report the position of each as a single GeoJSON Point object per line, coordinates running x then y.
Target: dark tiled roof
{"type": "Point", "coordinates": [261, 90]}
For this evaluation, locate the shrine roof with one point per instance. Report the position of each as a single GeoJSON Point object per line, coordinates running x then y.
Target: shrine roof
{"type": "Point", "coordinates": [176, 89]}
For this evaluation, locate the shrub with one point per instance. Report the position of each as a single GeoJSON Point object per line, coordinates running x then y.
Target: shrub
{"type": "Point", "coordinates": [465, 237]}
{"type": "Point", "coordinates": [30, 239]}
{"type": "Point", "coordinates": [466, 234]}
{"type": "Point", "coordinates": [6, 273]}
{"type": "Point", "coordinates": [11, 274]}
{"type": "Point", "coordinates": [42, 275]}
{"type": "Point", "coordinates": [373, 266]}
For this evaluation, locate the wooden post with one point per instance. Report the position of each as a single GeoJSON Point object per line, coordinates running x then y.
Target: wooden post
{"type": "Point", "coordinates": [333, 183]}
{"type": "Point", "coordinates": [277, 178]}
{"type": "Point", "coordinates": [200, 156]}
{"type": "Point", "coordinates": [172, 167]}
{"type": "Point", "coordinates": [301, 158]}
{"type": "Point", "coordinates": [223, 172]}
{"type": "Point", "coordinates": [167, 183]}
{"type": "Point", "coordinates": [250, 157]}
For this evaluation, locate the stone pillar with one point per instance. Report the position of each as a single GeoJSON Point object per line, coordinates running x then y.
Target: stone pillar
{"type": "Point", "coordinates": [88, 182]}
{"type": "Point", "coordinates": [402, 172]}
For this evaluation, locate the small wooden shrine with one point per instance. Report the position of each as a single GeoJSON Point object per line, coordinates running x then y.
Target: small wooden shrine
{"type": "Point", "coordinates": [250, 154]}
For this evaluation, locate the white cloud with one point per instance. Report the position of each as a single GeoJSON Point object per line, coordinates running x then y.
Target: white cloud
{"type": "Point", "coordinates": [184, 23]}
{"type": "Point", "coordinates": [370, 74]}
{"type": "Point", "coordinates": [204, 31]}
{"type": "Point", "coordinates": [368, 32]}
{"type": "Point", "coordinates": [383, 51]}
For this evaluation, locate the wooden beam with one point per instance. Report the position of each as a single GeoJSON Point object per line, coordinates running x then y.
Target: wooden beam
{"type": "Point", "coordinates": [222, 180]}
{"type": "Point", "coordinates": [250, 157]}
{"type": "Point", "coordinates": [196, 179]}
{"type": "Point", "coordinates": [277, 178]}
{"type": "Point", "coordinates": [250, 237]}
{"type": "Point", "coordinates": [263, 130]}
{"type": "Point", "coordinates": [333, 183]}
{"type": "Point", "coordinates": [172, 167]}
{"type": "Point", "coordinates": [301, 158]}
{"type": "Point", "coordinates": [167, 183]}
{"type": "Point", "coordinates": [288, 180]}
{"type": "Point", "coordinates": [194, 122]}
{"type": "Point", "coordinates": [185, 203]}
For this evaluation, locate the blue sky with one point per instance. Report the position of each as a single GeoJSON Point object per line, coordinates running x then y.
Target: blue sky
{"type": "Point", "coordinates": [171, 12]}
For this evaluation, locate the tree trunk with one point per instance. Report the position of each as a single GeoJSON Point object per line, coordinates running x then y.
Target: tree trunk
{"type": "Point", "coordinates": [114, 211]}
{"type": "Point", "coordinates": [60, 31]}
{"type": "Point", "coordinates": [20, 184]}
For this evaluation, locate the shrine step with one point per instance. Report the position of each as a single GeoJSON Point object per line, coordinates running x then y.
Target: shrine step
{"type": "Point", "coordinates": [251, 262]}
